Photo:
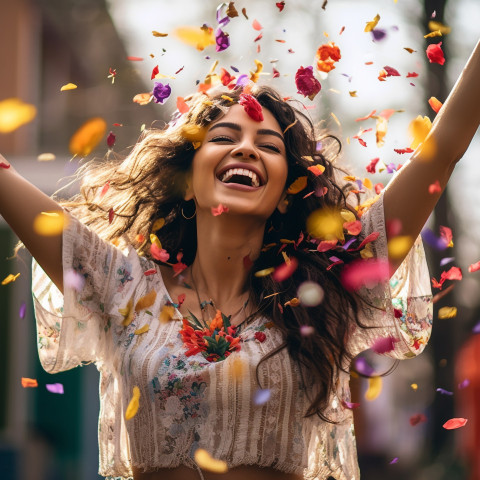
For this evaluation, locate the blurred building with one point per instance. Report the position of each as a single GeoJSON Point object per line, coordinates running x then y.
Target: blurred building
{"type": "Point", "coordinates": [45, 45]}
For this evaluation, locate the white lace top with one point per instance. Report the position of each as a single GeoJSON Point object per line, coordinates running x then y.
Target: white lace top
{"type": "Point", "coordinates": [187, 402]}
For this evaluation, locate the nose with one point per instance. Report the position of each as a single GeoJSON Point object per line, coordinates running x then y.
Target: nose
{"type": "Point", "coordinates": [245, 149]}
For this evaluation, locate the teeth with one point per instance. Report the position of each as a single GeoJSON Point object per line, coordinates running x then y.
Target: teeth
{"type": "Point", "coordinates": [241, 171]}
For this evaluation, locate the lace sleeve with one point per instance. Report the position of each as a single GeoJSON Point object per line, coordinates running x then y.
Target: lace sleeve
{"type": "Point", "coordinates": [400, 308]}
{"type": "Point", "coordinates": [75, 327]}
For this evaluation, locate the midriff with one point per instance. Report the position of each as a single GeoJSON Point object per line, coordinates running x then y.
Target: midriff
{"type": "Point", "coordinates": [242, 472]}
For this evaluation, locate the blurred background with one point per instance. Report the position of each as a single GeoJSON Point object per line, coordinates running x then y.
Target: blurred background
{"type": "Point", "coordinates": [107, 49]}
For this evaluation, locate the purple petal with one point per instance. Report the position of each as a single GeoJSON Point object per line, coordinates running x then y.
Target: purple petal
{"type": "Point", "coordinates": [446, 260]}
{"type": "Point", "coordinates": [242, 80]}
{"type": "Point", "coordinates": [476, 328]}
{"type": "Point", "coordinates": [391, 168]}
{"type": "Point", "coordinates": [444, 392]}
{"type": "Point", "coordinates": [361, 366]}
{"type": "Point", "coordinates": [319, 147]}
{"type": "Point", "coordinates": [347, 244]}
{"type": "Point", "coordinates": [55, 387]}
{"type": "Point", "coordinates": [378, 34]}
{"type": "Point", "coordinates": [395, 460]}
{"type": "Point", "coordinates": [23, 310]}
{"type": "Point", "coordinates": [235, 69]}
{"type": "Point", "coordinates": [306, 330]}
{"type": "Point", "coordinates": [464, 384]}
{"type": "Point", "coordinates": [333, 258]}
{"type": "Point", "coordinates": [359, 183]}
{"type": "Point", "coordinates": [435, 242]}
{"type": "Point", "coordinates": [222, 39]}
{"type": "Point", "coordinates": [261, 396]}
{"type": "Point", "coordinates": [222, 21]}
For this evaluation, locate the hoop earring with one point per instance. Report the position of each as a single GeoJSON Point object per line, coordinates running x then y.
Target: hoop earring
{"type": "Point", "coordinates": [188, 218]}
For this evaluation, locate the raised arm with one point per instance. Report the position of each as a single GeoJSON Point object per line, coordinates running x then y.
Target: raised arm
{"type": "Point", "coordinates": [407, 197]}
{"type": "Point", "coordinates": [20, 203]}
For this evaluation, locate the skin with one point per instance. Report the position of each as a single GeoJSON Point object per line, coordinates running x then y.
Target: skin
{"type": "Point", "coordinates": [225, 240]}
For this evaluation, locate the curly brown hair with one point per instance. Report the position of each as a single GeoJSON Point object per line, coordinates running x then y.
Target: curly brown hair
{"type": "Point", "coordinates": [150, 184]}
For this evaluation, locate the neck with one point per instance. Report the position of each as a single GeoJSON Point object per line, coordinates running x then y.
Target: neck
{"type": "Point", "coordinates": [219, 268]}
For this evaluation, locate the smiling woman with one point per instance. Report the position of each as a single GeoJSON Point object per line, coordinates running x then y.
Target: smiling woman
{"type": "Point", "coordinates": [223, 276]}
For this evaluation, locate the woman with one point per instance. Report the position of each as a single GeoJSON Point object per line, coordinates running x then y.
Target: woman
{"type": "Point", "coordinates": [205, 341]}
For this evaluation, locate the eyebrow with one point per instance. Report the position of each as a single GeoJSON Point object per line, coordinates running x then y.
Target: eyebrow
{"type": "Point", "coordinates": [238, 128]}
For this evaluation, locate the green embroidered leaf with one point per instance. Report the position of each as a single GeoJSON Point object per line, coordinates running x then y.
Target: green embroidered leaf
{"type": "Point", "coordinates": [226, 320]}
{"type": "Point", "coordinates": [195, 319]}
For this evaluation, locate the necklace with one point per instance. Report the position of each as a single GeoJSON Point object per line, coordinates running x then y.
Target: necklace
{"type": "Point", "coordinates": [204, 305]}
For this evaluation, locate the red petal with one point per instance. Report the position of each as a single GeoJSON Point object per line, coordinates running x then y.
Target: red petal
{"type": "Point", "coordinates": [455, 423]}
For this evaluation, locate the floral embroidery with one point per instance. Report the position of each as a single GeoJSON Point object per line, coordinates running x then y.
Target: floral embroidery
{"type": "Point", "coordinates": [211, 340]}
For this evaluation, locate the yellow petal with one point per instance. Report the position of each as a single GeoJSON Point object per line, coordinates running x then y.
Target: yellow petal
{"type": "Point", "coordinates": [50, 223]}
{"type": "Point", "coordinates": [14, 113]}
{"type": "Point", "coordinates": [374, 388]}
{"type": "Point", "coordinates": [367, 183]}
{"type": "Point", "coordinates": [146, 301]}
{"type": "Point", "coordinates": [238, 368]}
{"type": "Point", "coordinates": [381, 130]}
{"type": "Point", "coordinates": [158, 224]}
{"type": "Point", "coordinates": [447, 312]}
{"type": "Point", "coordinates": [205, 461]}
{"type": "Point", "coordinates": [434, 25]}
{"type": "Point", "coordinates": [399, 246]}
{"type": "Point", "coordinates": [88, 136]}
{"type": "Point", "coordinates": [68, 86]}
{"type": "Point", "coordinates": [10, 278]}
{"type": "Point", "coordinates": [371, 25]}
{"type": "Point", "coordinates": [133, 405]}
{"type": "Point", "coordinates": [347, 215]}
{"type": "Point", "coordinates": [325, 224]}
{"type": "Point", "coordinates": [155, 241]}
{"type": "Point", "coordinates": [193, 133]}
{"type": "Point", "coordinates": [419, 129]}
{"type": "Point", "coordinates": [158, 34]}
{"type": "Point", "coordinates": [143, 329]}
{"type": "Point", "coordinates": [414, 386]}
{"type": "Point", "coordinates": [436, 33]}
{"type": "Point", "coordinates": [46, 157]}
{"type": "Point", "coordinates": [264, 272]}
{"type": "Point", "coordinates": [195, 36]}
{"type": "Point", "coordinates": [298, 185]}
{"type": "Point", "coordinates": [167, 313]}
{"type": "Point", "coordinates": [127, 313]}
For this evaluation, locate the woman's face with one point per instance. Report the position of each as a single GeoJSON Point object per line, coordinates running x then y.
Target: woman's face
{"type": "Point", "coordinates": [241, 164]}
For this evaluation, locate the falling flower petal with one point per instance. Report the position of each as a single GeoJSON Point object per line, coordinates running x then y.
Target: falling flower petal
{"type": "Point", "coordinates": [14, 113]}
{"type": "Point", "coordinates": [143, 98]}
{"type": "Point", "coordinates": [363, 367]}
{"type": "Point", "coordinates": [280, 5]}
{"type": "Point", "coordinates": [29, 382]}
{"type": "Point", "coordinates": [444, 392]}
{"type": "Point", "coordinates": [350, 405]}
{"type": "Point", "coordinates": [22, 311]}
{"type": "Point", "coordinates": [141, 330]}
{"type": "Point", "coordinates": [393, 461]}
{"type": "Point", "coordinates": [161, 92]}
{"type": "Point", "coordinates": [264, 272]}
{"type": "Point", "coordinates": [222, 40]}
{"type": "Point", "coordinates": [374, 388]}
{"type": "Point", "coordinates": [455, 423]}
{"type": "Point", "coordinates": [365, 273]}
{"type": "Point", "coordinates": [306, 83]}
{"type": "Point", "coordinates": [68, 86]}
{"type": "Point", "coordinates": [158, 34]}
{"type": "Point", "coordinates": [261, 396]}
{"type": "Point", "coordinates": [447, 312]}
{"type": "Point", "coordinates": [474, 267]}
{"type": "Point", "coordinates": [216, 211]}
{"type": "Point", "coordinates": [50, 223]}
{"type": "Point", "coordinates": [133, 405]}
{"type": "Point", "coordinates": [159, 253]}
{"type": "Point", "coordinates": [372, 24]}
{"type": "Point", "coordinates": [435, 53]}
{"type": "Point", "coordinates": [384, 344]}
{"type": "Point", "coordinates": [399, 246]}
{"type": "Point", "coordinates": [55, 388]}
{"type": "Point", "coordinates": [454, 273]}
{"type": "Point", "coordinates": [310, 294]}
{"type": "Point", "coordinates": [146, 301]}
{"type": "Point", "coordinates": [127, 313]}
{"type": "Point", "coordinates": [10, 278]}
{"type": "Point", "coordinates": [88, 136]}
{"type": "Point", "coordinates": [285, 270]}
{"type": "Point", "coordinates": [205, 461]}
{"type": "Point", "coordinates": [73, 280]}
{"type": "Point", "coordinates": [251, 106]}
{"type": "Point", "coordinates": [199, 38]}
{"type": "Point", "coordinates": [297, 186]}
{"type": "Point", "coordinates": [417, 418]}
{"type": "Point", "coordinates": [316, 169]}
{"type": "Point", "coordinates": [327, 55]}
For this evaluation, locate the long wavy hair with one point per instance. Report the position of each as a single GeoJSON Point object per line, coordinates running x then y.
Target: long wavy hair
{"type": "Point", "coordinates": [149, 184]}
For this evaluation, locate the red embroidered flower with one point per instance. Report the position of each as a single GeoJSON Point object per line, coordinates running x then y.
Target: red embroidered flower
{"type": "Point", "coordinates": [251, 106]}
{"type": "Point", "coordinates": [435, 53]}
{"type": "Point", "coordinates": [260, 336]}
{"type": "Point", "coordinates": [306, 83]}
{"type": "Point", "coordinates": [215, 341]}
{"type": "Point", "coordinates": [327, 55]}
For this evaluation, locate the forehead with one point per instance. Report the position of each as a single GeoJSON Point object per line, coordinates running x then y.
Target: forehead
{"type": "Point", "coordinates": [236, 114]}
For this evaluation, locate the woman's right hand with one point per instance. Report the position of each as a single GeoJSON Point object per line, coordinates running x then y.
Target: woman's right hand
{"type": "Point", "coordinates": [20, 203]}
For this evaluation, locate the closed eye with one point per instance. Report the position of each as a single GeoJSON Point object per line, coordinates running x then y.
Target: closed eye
{"type": "Point", "coordinates": [271, 147]}
{"type": "Point", "coordinates": [221, 138]}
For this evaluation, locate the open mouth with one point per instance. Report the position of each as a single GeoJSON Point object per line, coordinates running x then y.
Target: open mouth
{"type": "Point", "coordinates": [240, 176]}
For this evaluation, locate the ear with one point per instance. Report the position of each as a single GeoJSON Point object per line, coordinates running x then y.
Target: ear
{"type": "Point", "coordinates": [283, 203]}
{"type": "Point", "coordinates": [188, 195]}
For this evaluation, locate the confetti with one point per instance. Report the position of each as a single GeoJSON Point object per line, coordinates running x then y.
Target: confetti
{"type": "Point", "coordinates": [374, 388]}
{"type": "Point", "coordinates": [447, 312]}
{"type": "Point", "coordinates": [55, 388]}
{"type": "Point", "coordinates": [261, 396]}
{"type": "Point", "coordinates": [29, 382]}
{"type": "Point", "coordinates": [205, 461]}
{"type": "Point", "coordinates": [133, 405]}
{"type": "Point", "coordinates": [417, 418]}
{"type": "Point", "coordinates": [88, 136]}
{"type": "Point", "coordinates": [14, 113]}
{"type": "Point", "coordinates": [68, 86]}
{"type": "Point", "coordinates": [455, 423]}
{"type": "Point", "coordinates": [435, 53]}
{"type": "Point", "coordinates": [10, 278]}
{"type": "Point", "coordinates": [50, 223]}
